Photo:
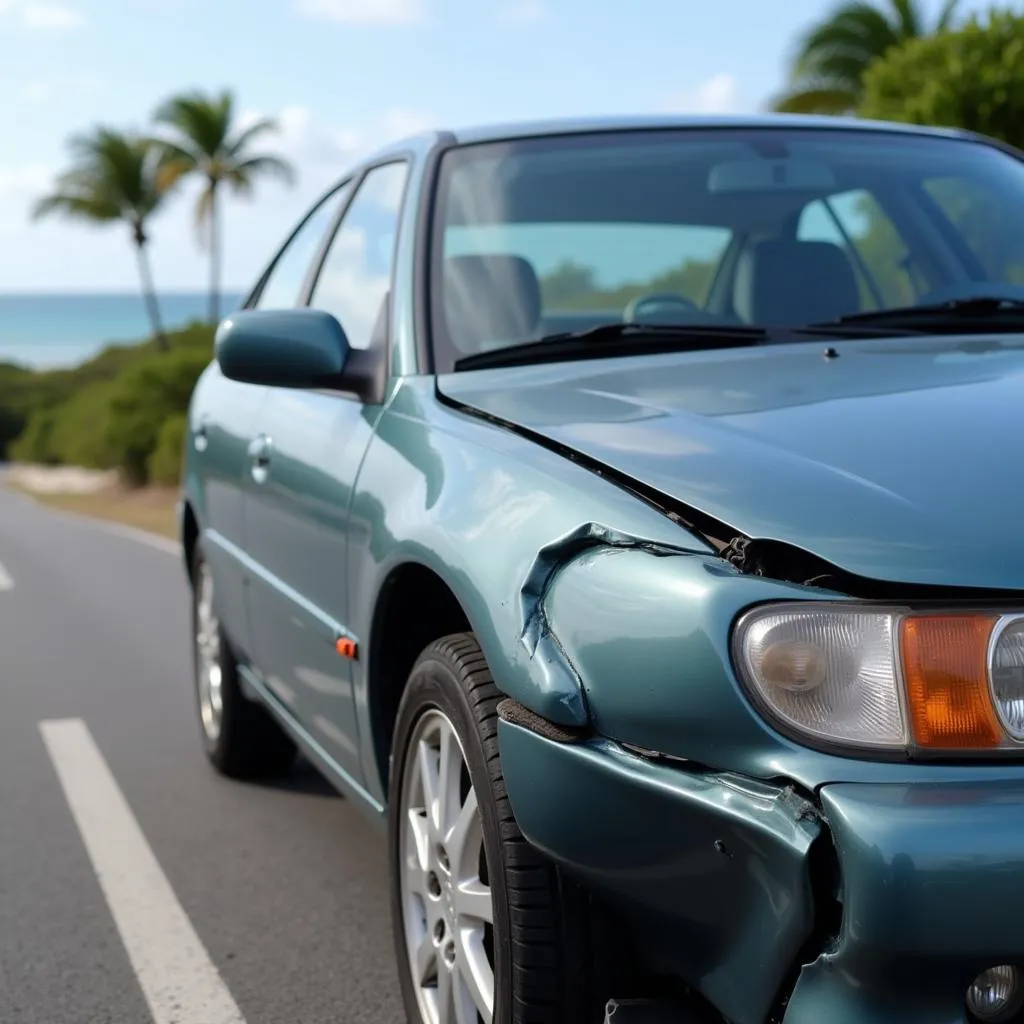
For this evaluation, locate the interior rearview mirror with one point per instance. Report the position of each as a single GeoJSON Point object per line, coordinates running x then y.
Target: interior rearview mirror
{"type": "Point", "coordinates": [285, 348]}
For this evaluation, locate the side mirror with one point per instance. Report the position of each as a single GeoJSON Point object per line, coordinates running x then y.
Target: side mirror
{"type": "Point", "coordinates": [285, 348]}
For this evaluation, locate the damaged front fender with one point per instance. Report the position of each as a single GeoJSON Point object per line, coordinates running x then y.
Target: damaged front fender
{"type": "Point", "coordinates": [558, 677]}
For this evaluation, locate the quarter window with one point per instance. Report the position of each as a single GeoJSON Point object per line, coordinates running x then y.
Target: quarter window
{"type": "Point", "coordinates": [283, 288]}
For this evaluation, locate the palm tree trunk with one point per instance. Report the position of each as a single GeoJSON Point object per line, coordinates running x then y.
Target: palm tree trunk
{"type": "Point", "coordinates": [149, 294]}
{"type": "Point", "coordinates": [214, 254]}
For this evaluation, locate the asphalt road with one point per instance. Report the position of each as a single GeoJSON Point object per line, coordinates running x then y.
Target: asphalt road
{"type": "Point", "coordinates": [284, 886]}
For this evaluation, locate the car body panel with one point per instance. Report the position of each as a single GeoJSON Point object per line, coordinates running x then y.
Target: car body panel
{"type": "Point", "coordinates": [835, 456]}
{"type": "Point", "coordinates": [296, 522]}
{"type": "Point", "coordinates": [221, 425]}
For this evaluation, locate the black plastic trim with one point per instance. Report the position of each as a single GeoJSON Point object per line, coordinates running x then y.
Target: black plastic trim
{"type": "Point", "coordinates": [423, 255]}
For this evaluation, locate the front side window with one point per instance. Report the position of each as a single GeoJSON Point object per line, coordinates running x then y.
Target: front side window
{"type": "Point", "coordinates": [355, 278]}
{"type": "Point", "coordinates": [718, 228]}
{"type": "Point", "coordinates": [283, 286]}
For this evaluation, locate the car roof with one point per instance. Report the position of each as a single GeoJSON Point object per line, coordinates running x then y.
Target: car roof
{"type": "Point", "coordinates": [425, 141]}
{"type": "Point", "coordinates": [494, 133]}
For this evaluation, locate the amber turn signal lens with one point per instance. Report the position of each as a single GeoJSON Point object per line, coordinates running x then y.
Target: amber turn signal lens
{"type": "Point", "coordinates": [945, 665]}
{"type": "Point", "coordinates": [346, 648]}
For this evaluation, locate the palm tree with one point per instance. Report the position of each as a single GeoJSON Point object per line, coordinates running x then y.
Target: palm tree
{"type": "Point", "coordinates": [833, 55]}
{"type": "Point", "coordinates": [114, 177]}
{"type": "Point", "coordinates": [203, 142]}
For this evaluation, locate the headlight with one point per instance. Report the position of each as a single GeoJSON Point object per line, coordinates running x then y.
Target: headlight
{"type": "Point", "coordinates": [857, 675]}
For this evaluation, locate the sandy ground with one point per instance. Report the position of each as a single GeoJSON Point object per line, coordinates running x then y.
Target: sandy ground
{"type": "Point", "coordinates": [96, 493]}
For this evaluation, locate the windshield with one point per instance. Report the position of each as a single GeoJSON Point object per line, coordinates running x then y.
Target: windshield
{"type": "Point", "coordinates": [761, 227]}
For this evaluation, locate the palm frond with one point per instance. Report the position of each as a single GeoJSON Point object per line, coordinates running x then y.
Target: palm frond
{"type": "Point", "coordinates": [235, 147]}
{"type": "Point", "coordinates": [947, 16]}
{"type": "Point", "coordinates": [820, 99]}
{"type": "Point", "coordinates": [241, 174]}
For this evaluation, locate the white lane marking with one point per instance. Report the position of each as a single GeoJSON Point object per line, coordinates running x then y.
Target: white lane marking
{"type": "Point", "coordinates": [178, 978]}
{"type": "Point", "coordinates": [6, 579]}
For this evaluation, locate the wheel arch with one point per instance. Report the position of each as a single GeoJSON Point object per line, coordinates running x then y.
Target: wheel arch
{"type": "Point", "coordinates": [189, 534]}
{"type": "Point", "coordinates": [415, 606]}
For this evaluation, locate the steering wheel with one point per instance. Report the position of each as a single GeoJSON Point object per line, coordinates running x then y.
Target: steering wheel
{"type": "Point", "coordinates": [647, 309]}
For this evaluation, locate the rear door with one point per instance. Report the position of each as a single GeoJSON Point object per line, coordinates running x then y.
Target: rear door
{"type": "Point", "coordinates": [296, 510]}
{"type": "Point", "coordinates": [223, 427]}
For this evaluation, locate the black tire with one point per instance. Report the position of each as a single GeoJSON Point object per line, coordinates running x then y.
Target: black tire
{"type": "Point", "coordinates": [250, 744]}
{"type": "Point", "coordinates": [542, 931]}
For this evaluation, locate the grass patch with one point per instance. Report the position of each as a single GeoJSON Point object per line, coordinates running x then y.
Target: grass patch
{"type": "Point", "coordinates": [146, 508]}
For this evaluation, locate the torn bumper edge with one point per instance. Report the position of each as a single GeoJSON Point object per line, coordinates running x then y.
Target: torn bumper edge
{"type": "Point", "coordinates": [710, 872]}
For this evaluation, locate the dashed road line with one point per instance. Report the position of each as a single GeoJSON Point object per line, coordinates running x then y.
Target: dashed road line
{"type": "Point", "coordinates": [179, 981]}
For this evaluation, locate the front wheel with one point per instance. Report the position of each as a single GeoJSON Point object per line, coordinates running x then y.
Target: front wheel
{"type": "Point", "coordinates": [485, 931]}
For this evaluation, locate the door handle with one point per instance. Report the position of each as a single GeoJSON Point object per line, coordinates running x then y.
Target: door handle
{"type": "Point", "coordinates": [259, 451]}
{"type": "Point", "coordinates": [200, 437]}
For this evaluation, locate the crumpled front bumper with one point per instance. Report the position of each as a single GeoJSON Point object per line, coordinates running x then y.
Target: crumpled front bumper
{"type": "Point", "coordinates": [874, 904]}
{"type": "Point", "coordinates": [932, 880]}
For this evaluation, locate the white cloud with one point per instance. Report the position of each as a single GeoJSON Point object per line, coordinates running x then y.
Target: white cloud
{"type": "Point", "coordinates": [363, 12]}
{"type": "Point", "coordinates": [42, 15]}
{"type": "Point", "coordinates": [524, 12]}
{"type": "Point", "coordinates": [719, 94]}
{"type": "Point", "coordinates": [35, 92]}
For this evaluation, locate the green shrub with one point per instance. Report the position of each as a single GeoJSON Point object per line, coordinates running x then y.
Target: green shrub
{"type": "Point", "coordinates": [968, 78]}
{"type": "Point", "coordinates": [105, 413]}
{"type": "Point", "coordinates": [165, 461]}
{"type": "Point", "coordinates": [35, 444]}
{"type": "Point", "coordinates": [142, 398]}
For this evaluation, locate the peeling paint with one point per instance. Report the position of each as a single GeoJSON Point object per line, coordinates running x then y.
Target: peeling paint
{"type": "Point", "coordinates": [558, 676]}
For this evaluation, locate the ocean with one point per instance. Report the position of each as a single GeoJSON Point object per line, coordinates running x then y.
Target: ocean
{"type": "Point", "coordinates": [43, 330]}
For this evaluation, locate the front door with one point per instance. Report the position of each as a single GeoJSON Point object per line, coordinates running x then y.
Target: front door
{"type": "Point", "coordinates": [304, 467]}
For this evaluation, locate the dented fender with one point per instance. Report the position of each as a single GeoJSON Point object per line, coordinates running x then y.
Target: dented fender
{"type": "Point", "coordinates": [558, 675]}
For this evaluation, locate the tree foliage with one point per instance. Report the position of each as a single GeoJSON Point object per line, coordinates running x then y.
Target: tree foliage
{"type": "Point", "coordinates": [971, 78]}
{"type": "Point", "coordinates": [833, 56]}
{"type": "Point", "coordinates": [114, 177]}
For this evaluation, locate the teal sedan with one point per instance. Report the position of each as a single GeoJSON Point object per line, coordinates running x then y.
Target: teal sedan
{"type": "Point", "coordinates": [623, 514]}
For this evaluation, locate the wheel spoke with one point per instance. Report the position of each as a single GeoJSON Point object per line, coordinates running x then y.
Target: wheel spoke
{"type": "Point", "coordinates": [425, 964]}
{"type": "Point", "coordinates": [449, 780]}
{"type": "Point", "coordinates": [427, 766]}
{"type": "Point", "coordinates": [463, 840]}
{"type": "Point", "coordinates": [445, 996]}
{"type": "Point", "coordinates": [418, 847]}
{"type": "Point", "coordinates": [476, 973]}
{"type": "Point", "coordinates": [464, 1001]}
{"type": "Point", "coordinates": [473, 900]}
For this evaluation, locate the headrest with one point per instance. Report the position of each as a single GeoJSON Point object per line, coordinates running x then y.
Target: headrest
{"type": "Point", "coordinates": [790, 282]}
{"type": "Point", "coordinates": [490, 298]}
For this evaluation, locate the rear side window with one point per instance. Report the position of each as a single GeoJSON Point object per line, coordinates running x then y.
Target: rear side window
{"type": "Point", "coordinates": [993, 231]}
{"type": "Point", "coordinates": [283, 287]}
{"type": "Point", "coordinates": [355, 279]}
{"type": "Point", "coordinates": [856, 222]}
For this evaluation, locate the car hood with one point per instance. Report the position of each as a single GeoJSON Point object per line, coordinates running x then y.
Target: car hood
{"type": "Point", "coordinates": [895, 460]}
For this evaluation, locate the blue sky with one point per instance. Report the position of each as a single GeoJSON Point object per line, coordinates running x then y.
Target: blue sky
{"type": "Point", "coordinates": [342, 76]}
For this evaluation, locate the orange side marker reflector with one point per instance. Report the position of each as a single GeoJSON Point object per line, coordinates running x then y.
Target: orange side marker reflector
{"type": "Point", "coordinates": [346, 648]}
{"type": "Point", "coordinates": [945, 660]}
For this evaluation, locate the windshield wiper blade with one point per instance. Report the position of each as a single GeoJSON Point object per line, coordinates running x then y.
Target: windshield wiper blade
{"type": "Point", "coordinates": [979, 311]}
{"type": "Point", "coordinates": [614, 339]}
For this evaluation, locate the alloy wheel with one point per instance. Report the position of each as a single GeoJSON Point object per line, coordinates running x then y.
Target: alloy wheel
{"type": "Point", "coordinates": [209, 674]}
{"type": "Point", "coordinates": [446, 895]}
